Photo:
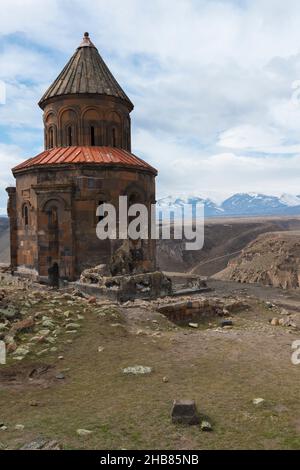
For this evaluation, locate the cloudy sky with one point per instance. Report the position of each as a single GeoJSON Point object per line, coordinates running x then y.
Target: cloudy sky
{"type": "Point", "coordinates": [216, 85]}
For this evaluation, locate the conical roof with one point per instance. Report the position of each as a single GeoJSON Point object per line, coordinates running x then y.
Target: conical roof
{"type": "Point", "coordinates": [85, 73]}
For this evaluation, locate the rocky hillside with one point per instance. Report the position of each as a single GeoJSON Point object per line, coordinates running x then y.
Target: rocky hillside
{"type": "Point", "coordinates": [272, 259]}
{"type": "Point", "coordinates": [4, 240]}
{"type": "Point", "coordinates": [224, 238]}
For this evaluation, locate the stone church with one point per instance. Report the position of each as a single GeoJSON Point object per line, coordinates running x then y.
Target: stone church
{"type": "Point", "coordinates": [87, 160]}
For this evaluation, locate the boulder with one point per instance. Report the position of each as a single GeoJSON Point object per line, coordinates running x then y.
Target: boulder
{"type": "Point", "coordinates": [185, 412]}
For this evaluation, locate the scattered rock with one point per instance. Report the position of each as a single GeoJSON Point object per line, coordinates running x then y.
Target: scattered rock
{"type": "Point", "coordinates": [100, 349]}
{"type": "Point", "coordinates": [165, 379]}
{"type": "Point", "coordinates": [42, 444]}
{"type": "Point", "coordinates": [270, 305]}
{"type": "Point", "coordinates": [194, 325]}
{"type": "Point", "coordinates": [284, 321]}
{"type": "Point", "coordinates": [206, 426]}
{"type": "Point", "coordinates": [43, 351]}
{"type": "Point", "coordinates": [226, 323]}
{"type": "Point", "coordinates": [92, 300]}
{"type": "Point", "coordinates": [33, 403]}
{"type": "Point", "coordinates": [258, 401]}
{"type": "Point", "coordinates": [48, 324]}
{"type": "Point", "coordinates": [11, 347]}
{"type": "Point", "coordinates": [137, 370]}
{"type": "Point", "coordinates": [72, 326]}
{"type": "Point", "coordinates": [19, 427]}
{"type": "Point", "coordinates": [9, 313]}
{"type": "Point", "coordinates": [83, 432]}
{"type": "Point", "coordinates": [275, 322]}
{"type": "Point", "coordinates": [60, 376]}
{"type": "Point", "coordinates": [23, 326]}
{"type": "Point", "coordinates": [185, 412]}
{"type": "Point", "coordinates": [21, 351]}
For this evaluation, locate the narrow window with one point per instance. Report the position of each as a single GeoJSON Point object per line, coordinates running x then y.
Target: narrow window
{"type": "Point", "coordinates": [53, 218]}
{"type": "Point", "coordinates": [51, 137]}
{"type": "Point", "coordinates": [127, 139]}
{"type": "Point", "coordinates": [70, 136]}
{"type": "Point", "coordinates": [100, 217]}
{"type": "Point", "coordinates": [114, 139]}
{"type": "Point", "coordinates": [26, 216]}
{"type": "Point", "coordinates": [93, 136]}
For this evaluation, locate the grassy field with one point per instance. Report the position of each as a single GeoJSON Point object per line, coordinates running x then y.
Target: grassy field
{"type": "Point", "coordinates": [222, 371]}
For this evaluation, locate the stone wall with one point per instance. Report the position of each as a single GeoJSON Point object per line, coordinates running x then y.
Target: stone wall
{"type": "Point", "coordinates": [187, 311]}
{"type": "Point", "coordinates": [59, 222]}
{"type": "Point", "coordinates": [108, 116]}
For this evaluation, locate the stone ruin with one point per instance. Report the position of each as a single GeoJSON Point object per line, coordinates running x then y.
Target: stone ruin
{"type": "Point", "coordinates": [127, 277]}
{"type": "Point", "coordinates": [185, 312]}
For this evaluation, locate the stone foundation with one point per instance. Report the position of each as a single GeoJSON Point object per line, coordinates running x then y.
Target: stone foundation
{"type": "Point", "coordinates": [188, 311]}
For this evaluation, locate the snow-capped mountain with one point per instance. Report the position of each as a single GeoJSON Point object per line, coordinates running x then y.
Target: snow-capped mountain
{"type": "Point", "coordinates": [167, 204]}
{"type": "Point", "coordinates": [242, 204]}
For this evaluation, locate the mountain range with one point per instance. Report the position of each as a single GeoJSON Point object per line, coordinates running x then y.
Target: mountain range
{"type": "Point", "coordinates": [238, 205]}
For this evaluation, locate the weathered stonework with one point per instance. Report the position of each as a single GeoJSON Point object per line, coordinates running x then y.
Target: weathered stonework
{"type": "Point", "coordinates": [125, 287]}
{"type": "Point", "coordinates": [52, 210]}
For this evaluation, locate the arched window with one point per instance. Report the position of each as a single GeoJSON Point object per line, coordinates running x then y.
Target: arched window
{"type": "Point", "coordinates": [114, 137]}
{"type": "Point", "coordinates": [69, 136]}
{"type": "Point", "coordinates": [53, 218]}
{"type": "Point", "coordinates": [26, 215]}
{"type": "Point", "coordinates": [93, 143]}
{"type": "Point", "coordinates": [51, 138]}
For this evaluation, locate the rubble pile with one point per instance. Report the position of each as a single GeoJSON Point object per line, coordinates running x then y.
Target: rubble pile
{"type": "Point", "coordinates": [36, 322]}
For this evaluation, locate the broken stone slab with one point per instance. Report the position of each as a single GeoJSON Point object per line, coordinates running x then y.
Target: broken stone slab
{"type": "Point", "coordinates": [72, 326]}
{"type": "Point", "coordinates": [83, 432]}
{"type": "Point", "coordinates": [226, 323]}
{"type": "Point", "coordinates": [42, 444]}
{"type": "Point", "coordinates": [21, 351]}
{"type": "Point", "coordinates": [258, 401]}
{"type": "Point", "coordinates": [60, 376]}
{"type": "Point", "coordinates": [19, 427]}
{"type": "Point", "coordinates": [137, 370]}
{"type": "Point", "coordinates": [185, 412]}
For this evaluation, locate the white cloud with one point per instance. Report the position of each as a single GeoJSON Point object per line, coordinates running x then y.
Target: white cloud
{"type": "Point", "coordinates": [10, 156]}
{"type": "Point", "coordinates": [211, 81]}
{"type": "Point", "coordinates": [218, 175]}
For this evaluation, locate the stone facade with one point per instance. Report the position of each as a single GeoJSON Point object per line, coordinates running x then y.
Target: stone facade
{"type": "Point", "coordinates": [87, 120]}
{"type": "Point", "coordinates": [52, 210]}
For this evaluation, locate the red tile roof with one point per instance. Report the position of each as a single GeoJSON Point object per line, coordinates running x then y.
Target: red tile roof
{"type": "Point", "coordinates": [104, 156]}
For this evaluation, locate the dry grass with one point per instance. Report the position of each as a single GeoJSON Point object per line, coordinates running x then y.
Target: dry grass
{"type": "Point", "coordinates": [223, 372]}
